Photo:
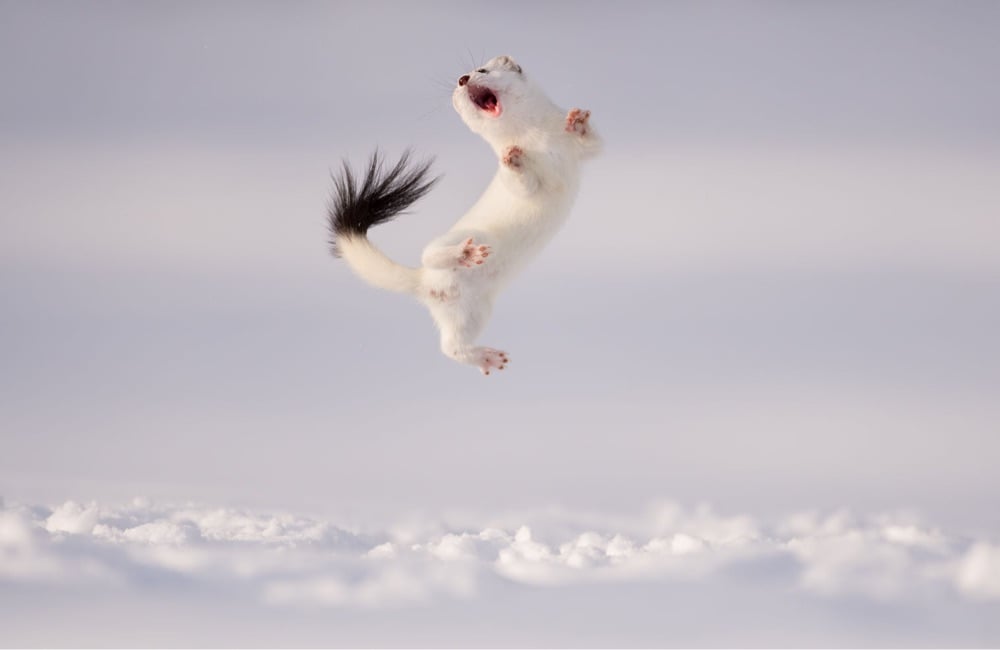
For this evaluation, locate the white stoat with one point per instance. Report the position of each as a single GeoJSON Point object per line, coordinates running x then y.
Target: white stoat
{"type": "Point", "coordinates": [539, 147]}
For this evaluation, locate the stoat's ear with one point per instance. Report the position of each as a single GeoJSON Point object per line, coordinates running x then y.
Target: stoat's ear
{"type": "Point", "coordinates": [508, 63]}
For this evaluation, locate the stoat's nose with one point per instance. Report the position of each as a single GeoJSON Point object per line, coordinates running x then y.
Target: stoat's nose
{"type": "Point", "coordinates": [464, 79]}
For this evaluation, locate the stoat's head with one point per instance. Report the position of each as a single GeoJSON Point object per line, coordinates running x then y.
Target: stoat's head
{"type": "Point", "coordinates": [497, 100]}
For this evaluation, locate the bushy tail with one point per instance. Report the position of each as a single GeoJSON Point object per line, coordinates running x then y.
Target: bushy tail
{"type": "Point", "coordinates": [380, 196]}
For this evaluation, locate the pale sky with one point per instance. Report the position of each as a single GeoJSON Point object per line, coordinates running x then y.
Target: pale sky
{"type": "Point", "coordinates": [779, 292]}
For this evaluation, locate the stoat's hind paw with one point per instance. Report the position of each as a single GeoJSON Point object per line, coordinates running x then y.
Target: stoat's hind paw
{"type": "Point", "coordinates": [487, 359]}
{"type": "Point", "coordinates": [513, 157]}
{"type": "Point", "coordinates": [472, 254]}
{"type": "Point", "coordinates": [577, 121]}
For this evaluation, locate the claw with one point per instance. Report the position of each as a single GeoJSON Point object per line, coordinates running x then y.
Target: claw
{"type": "Point", "coordinates": [576, 121]}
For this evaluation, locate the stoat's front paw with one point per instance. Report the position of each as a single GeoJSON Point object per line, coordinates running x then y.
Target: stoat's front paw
{"type": "Point", "coordinates": [513, 157]}
{"type": "Point", "coordinates": [577, 121]}
{"type": "Point", "coordinates": [488, 359]}
{"type": "Point", "coordinates": [472, 254]}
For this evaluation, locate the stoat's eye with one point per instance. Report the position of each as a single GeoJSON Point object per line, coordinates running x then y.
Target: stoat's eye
{"type": "Point", "coordinates": [482, 70]}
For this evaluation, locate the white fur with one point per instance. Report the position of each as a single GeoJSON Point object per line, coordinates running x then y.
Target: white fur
{"type": "Point", "coordinates": [521, 209]}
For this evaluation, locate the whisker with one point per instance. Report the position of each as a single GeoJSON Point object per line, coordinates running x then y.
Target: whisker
{"type": "Point", "coordinates": [461, 63]}
{"type": "Point", "coordinates": [439, 97]}
{"type": "Point", "coordinates": [441, 83]}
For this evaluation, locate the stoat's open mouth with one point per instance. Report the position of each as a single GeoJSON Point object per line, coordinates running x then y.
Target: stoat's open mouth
{"type": "Point", "coordinates": [485, 99]}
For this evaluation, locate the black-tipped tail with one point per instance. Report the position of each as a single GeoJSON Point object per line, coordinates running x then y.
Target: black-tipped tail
{"type": "Point", "coordinates": [381, 195]}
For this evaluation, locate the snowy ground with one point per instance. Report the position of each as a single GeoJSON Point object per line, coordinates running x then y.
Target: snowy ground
{"type": "Point", "coordinates": [778, 293]}
{"type": "Point", "coordinates": [193, 574]}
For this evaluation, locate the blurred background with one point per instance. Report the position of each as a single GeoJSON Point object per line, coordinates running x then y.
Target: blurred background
{"type": "Point", "coordinates": [779, 288]}
{"type": "Point", "coordinates": [779, 291]}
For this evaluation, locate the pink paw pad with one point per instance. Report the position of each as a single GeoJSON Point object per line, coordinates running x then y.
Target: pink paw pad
{"type": "Point", "coordinates": [577, 121]}
{"type": "Point", "coordinates": [441, 295]}
{"type": "Point", "coordinates": [512, 157]}
{"type": "Point", "coordinates": [473, 254]}
{"type": "Point", "coordinates": [490, 359]}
